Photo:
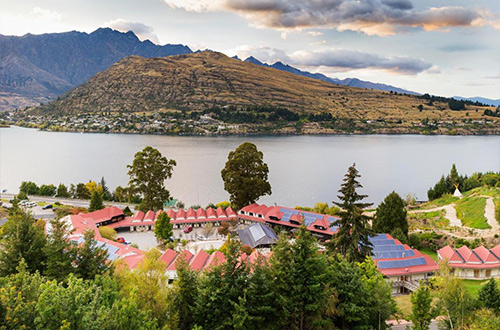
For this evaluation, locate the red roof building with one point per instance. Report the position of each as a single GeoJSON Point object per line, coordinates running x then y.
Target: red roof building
{"type": "Point", "coordinates": [479, 264]}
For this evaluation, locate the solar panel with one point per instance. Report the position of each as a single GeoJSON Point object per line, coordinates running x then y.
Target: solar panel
{"type": "Point", "coordinates": [393, 254]}
{"type": "Point", "coordinates": [257, 232]}
{"type": "Point", "coordinates": [111, 248]}
{"type": "Point", "coordinates": [388, 248]}
{"type": "Point", "coordinates": [112, 256]}
{"type": "Point", "coordinates": [401, 263]}
{"type": "Point", "coordinates": [383, 242]}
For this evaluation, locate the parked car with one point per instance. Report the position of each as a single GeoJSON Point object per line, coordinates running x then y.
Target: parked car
{"type": "Point", "coordinates": [188, 229]}
{"type": "Point", "coordinates": [120, 240]}
{"type": "Point", "coordinates": [31, 204]}
{"type": "Point", "coordinates": [46, 207]}
{"type": "Point", "coordinates": [202, 238]}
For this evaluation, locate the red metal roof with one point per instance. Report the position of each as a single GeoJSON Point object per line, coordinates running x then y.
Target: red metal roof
{"type": "Point", "coordinates": [479, 258]}
{"type": "Point", "coordinates": [199, 260]}
{"type": "Point", "coordinates": [105, 214]}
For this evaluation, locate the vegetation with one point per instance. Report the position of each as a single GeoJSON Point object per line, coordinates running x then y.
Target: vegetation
{"type": "Point", "coordinates": [470, 210]}
{"type": "Point", "coordinates": [390, 215]}
{"type": "Point", "coordinates": [351, 239]}
{"type": "Point", "coordinates": [107, 232]}
{"type": "Point", "coordinates": [321, 208]}
{"type": "Point", "coordinates": [422, 310]}
{"type": "Point", "coordinates": [163, 227]}
{"type": "Point", "coordinates": [148, 173]}
{"type": "Point", "coordinates": [245, 175]}
{"type": "Point", "coordinates": [96, 202]}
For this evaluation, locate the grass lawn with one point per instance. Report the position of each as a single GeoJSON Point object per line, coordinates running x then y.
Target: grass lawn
{"type": "Point", "coordinates": [473, 286]}
{"type": "Point", "coordinates": [428, 220]}
{"type": "Point", "coordinates": [470, 210]}
{"type": "Point", "coordinates": [486, 191]}
{"type": "Point", "coordinates": [430, 253]}
{"type": "Point", "coordinates": [441, 201]}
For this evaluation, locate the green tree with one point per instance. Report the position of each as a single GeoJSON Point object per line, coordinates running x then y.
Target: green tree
{"type": "Point", "coordinates": [90, 259]}
{"type": "Point", "coordinates": [455, 302]}
{"type": "Point", "coordinates": [391, 214]}
{"type": "Point", "coordinates": [422, 312]}
{"type": "Point", "coordinates": [22, 195]}
{"type": "Point", "coordinates": [485, 319]}
{"type": "Point", "coordinates": [183, 295]}
{"type": "Point", "coordinates": [81, 192]}
{"type": "Point", "coordinates": [301, 279]}
{"type": "Point", "coordinates": [245, 175]}
{"type": "Point", "coordinates": [489, 295]}
{"type": "Point", "coordinates": [29, 188]}
{"type": "Point", "coordinates": [22, 239]}
{"type": "Point", "coordinates": [59, 251]}
{"type": "Point", "coordinates": [96, 202]}
{"type": "Point", "coordinates": [163, 227]}
{"type": "Point", "coordinates": [47, 190]}
{"type": "Point", "coordinates": [351, 239]}
{"type": "Point", "coordinates": [148, 173]}
{"type": "Point", "coordinates": [454, 177]}
{"type": "Point", "coordinates": [380, 305]}
{"type": "Point", "coordinates": [106, 194]}
{"type": "Point", "coordinates": [62, 191]}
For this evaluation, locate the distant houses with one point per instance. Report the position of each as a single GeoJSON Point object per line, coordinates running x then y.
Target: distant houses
{"type": "Point", "coordinates": [477, 264]}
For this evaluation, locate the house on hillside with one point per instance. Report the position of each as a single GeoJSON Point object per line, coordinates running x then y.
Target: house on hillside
{"type": "Point", "coordinates": [478, 264]}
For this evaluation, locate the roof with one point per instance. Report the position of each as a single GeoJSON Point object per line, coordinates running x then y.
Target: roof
{"type": "Point", "coordinates": [395, 259]}
{"type": "Point", "coordinates": [479, 258]}
{"type": "Point", "coordinates": [256, 235]}
{"type": "Point", "coordinates": [105, 214]}
{"type": "Point", "coordinates": [315, 222]}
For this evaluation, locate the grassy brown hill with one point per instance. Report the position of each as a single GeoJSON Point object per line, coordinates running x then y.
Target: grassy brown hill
{"type": "Point", "coordinates": [200, 81]}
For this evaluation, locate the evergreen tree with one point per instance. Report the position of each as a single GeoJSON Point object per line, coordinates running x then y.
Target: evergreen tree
{"type": "Point", "coordinates": [489, 295]}
{"type": "Point", "coordinates": [59, 251]}
{"type": "Point", "coordinates": [62, 191]}
{"type": "Point", "coordinates": [301, 279]}
{"type": "Point", "coordinates": [421, 307]}
{"type": "Point", "coordinates": [183, 296]}
{"type": "Point", "coordinates": [391, 214]}
{"type": "Point", "coordinates": [106, 194]}
{"type": "Point", "coordinates": [22, 239]}
{"type": "Point", "coordinates": [148, 173]}
{"type": "Point", "coordinates": [351, 239]}
{"type": "Point", "coordinates": [454, 177]}
{"type": "Point", "coordinates": [96, 202]}
{"type": "Point", "coordinates": [90, 259]}
{"type": "Point", "coordinates": [163, 227]}
{"type": "Point", "coordinates": [245, 175]}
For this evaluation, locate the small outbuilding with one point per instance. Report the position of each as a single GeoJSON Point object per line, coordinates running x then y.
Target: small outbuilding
{"type": "Point", "coordinates": [258, 236]}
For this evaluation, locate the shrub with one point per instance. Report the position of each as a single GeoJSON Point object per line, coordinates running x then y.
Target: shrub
{"type": "Point", "coordinates": [246, 249]}
{"type": "Point", "coordinates": [108, 232]}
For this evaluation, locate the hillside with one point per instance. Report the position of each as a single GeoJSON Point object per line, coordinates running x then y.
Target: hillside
{"type": "Point", "coordinates": [37, 68]}
{"type": "Point", "coordinates": [202, 80]}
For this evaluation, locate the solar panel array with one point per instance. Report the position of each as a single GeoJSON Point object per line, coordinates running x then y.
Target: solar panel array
{"type": "Point", "coordinates": [309, 218]}
{"type": "Point", "coordinates": [393, 254]}
{"type": "Point", "coordinates": [394, 247]}
{"type": "Point", "coordinates": [401, 263]}
{"type": "Point", "coordinates": [257, 232]}
{"type": "Point", "coordinates": [111, 249]}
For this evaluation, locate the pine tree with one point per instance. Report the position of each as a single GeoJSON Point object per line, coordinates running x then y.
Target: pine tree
{"type": "Point", "coordinates": [185, 290]}
{"type": "Point", "coordinates": [163, 227]}
{"type": "Point", "coordinates": [351, 239]}
{"type": "Point", "coordinates": [106, 194]}
{"type": "Point", "coordinates": [391, 214]}
{"type": "Point", "coordinates": [90, 259]}
{"type": "Point", "coordinates": [422, 311]}
{"type": "Point", "coordinates": [454, 177]}
{"type": "Point", "coordinates": [96, 202]}
{"type": "Point", "coordinates": [489, 295]}
{"type": "Point", "coordinates": [59, 251]}
{"type": "Point", "coordinates": [22, 239]}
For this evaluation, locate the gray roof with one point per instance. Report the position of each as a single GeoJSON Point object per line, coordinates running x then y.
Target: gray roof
{"type": "Point", "coordinates": [257, 234]}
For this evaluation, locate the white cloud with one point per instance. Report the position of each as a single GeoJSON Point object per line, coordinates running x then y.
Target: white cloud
{"type": "Point", "coordinates": [142, 31]}
{"type": "Point", "coordinates": [372, 17]}
{"type": "Point", "coordinates": [46, 14]}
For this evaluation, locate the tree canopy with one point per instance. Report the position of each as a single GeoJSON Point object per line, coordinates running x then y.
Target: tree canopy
{"type": "Point", "coordinates": [148, 174]}
{"type": "Point", "coordinates": [245, 175]}
{"type": "Point", "coordinates": [391, 214]}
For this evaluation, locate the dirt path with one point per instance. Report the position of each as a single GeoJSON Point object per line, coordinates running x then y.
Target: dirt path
{"type": "Point", "coordinates": [489, 214]}
{"type": "Point", "coordinates": [451, 214]}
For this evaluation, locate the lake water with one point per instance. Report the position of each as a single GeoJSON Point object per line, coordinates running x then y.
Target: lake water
{"type": "Point", "coordinates": [303, 169]}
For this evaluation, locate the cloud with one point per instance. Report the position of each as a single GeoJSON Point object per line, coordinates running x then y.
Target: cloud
{"type": "Point", "coordinates": [372, 17]}
{"type": "Point", "coordinates": [46, 14]}
{"type": "Point", "coordinates": [142, 31]}
{"type": "Point", "coordinates": [315, 33]}
{"type": "Point", "coordinates": [338, 59]}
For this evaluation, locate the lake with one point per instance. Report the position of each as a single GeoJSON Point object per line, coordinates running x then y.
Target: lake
{"type": "Point", "coordinates": [302, 169]}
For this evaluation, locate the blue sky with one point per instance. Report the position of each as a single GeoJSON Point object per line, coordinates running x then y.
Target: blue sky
{"type": "Point", "coordinates": [442, 47]}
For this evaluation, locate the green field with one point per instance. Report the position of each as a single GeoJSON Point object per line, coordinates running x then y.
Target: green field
{"type": "Point", "coordinates": [427, 220]}
{"type": "Point", "coordinates": [486, 191]}
{"type": "Point", "coordinates": [470, 210]}
{"type": "Point", "coordinates": [441, 201]}
{"type": "Point", "coordinates": [430, 253]}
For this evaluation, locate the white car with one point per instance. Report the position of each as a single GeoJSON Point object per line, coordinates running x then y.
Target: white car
{"type": "Point", "coordinates": [202, 238]}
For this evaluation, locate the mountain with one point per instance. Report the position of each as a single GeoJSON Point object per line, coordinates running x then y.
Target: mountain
{"type": "Point", "coordinates": [353, 82]}
{"type": "Point", "coordinates": [479, 99]}
{"type": "Point", "coordinates": [199, 81]}
{"type": "Point", "coordinates": [35, 68]}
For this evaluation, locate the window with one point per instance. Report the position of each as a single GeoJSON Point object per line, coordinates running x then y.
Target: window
{"type": "Point", "coordinates": [476, 273]}
{"type": "Point", "coordinates": [488, 273]}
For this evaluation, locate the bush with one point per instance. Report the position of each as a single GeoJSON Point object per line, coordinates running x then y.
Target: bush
{"type": "Point", "coordinates": [414, 241]}
{"type": "Point", "coordinates": [108, 232]}
{"type": "Point", "coordinates": [224, 204]}
{"type": "Point", "coordinates": [246, 249]}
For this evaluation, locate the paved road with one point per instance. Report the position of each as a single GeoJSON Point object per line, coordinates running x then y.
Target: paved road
{"type": "Point", "coordinates": [68, 201]}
